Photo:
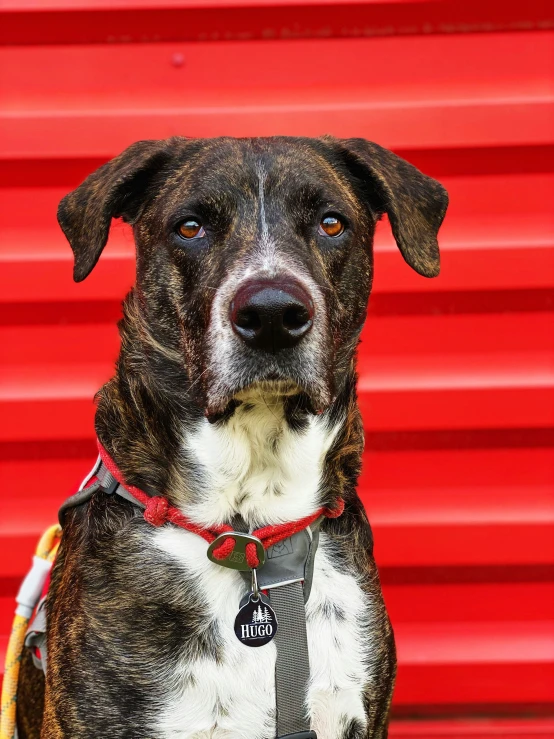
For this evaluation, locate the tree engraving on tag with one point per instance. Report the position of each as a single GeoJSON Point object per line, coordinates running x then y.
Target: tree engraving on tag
{"type": "Point", "coordinates": [256, 623]}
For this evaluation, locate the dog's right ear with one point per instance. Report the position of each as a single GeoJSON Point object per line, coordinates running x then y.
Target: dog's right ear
{"type": "Point", "coordinates": [415, 204]}
{"type": "Point", "coordinates": [117, 189]}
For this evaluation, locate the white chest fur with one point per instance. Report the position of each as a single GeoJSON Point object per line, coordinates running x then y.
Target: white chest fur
{"type": "Point", "coordinates": [256, 466]}
{"type": "Point", "coordinates": [234, 697]}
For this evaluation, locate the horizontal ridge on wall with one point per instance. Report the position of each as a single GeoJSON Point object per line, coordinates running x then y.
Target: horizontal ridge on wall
{"type": "Point", "coordinates": [140, 21]}
{"type": "Point", "coordinates": [280, 87]}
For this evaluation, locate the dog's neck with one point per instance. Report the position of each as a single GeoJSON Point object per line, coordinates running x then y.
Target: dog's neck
{"type": "Point", "coordinates": [267, 461]}
{"type": "Point", "coordinates": [257, 465]}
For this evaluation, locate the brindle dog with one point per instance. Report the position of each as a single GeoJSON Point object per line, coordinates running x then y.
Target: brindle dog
{"type": "Point", "coordinates": [235, 397]}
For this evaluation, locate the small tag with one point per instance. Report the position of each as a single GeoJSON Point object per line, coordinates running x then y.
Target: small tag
{"type": "Point", "coordinates": [256, 623]}
{"type": "Point", "coordinates": [236, 559]}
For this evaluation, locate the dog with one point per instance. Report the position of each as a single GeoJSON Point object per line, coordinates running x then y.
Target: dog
{"type": "Point", "coordinates": [234, 397]}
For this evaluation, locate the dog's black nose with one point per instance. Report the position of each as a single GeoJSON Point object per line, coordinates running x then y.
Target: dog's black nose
{"type": "Point", "coordinates": [272, 315]}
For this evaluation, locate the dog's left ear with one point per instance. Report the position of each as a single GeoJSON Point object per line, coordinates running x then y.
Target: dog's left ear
{"type": "Point", "coordinates": [115, 190]}
{"type": "Point", "coordinates": [415, 204]}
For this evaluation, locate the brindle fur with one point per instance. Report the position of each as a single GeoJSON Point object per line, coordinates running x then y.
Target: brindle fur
{"type": "Point", "coordinates": [118, 612]}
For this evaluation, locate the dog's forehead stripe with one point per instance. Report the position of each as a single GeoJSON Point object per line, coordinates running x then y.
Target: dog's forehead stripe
{"type": "Point", "coordinates": [261, 196]}
{"type": "Point", "coordinates": [255, 170]}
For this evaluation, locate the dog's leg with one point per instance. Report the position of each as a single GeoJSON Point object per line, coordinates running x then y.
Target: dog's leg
{"type": "Point", "coordinates": [378, 702]}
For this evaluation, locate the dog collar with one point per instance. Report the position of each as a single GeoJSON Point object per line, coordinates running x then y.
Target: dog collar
{"type": "Point", "coordinates": [106, 475]}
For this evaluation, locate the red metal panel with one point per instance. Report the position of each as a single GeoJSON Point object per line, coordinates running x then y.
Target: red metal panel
{"type": "Point", "coordinates": [280, 87]}
{"type": "Point", "coordinates": [456, 374]}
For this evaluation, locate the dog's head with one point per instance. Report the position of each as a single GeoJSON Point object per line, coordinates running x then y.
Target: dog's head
{"type": "Point", "coordinates": [254, 256]}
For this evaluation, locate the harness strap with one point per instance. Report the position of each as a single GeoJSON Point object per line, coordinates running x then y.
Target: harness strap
{"type": "Point", "coordinates": [292, 667]}
{"type": "Point", "coordinates": [35, 637]}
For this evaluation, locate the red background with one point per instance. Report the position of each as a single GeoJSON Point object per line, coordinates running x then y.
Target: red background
{"type": "Point", "coordinates": [457, 373]}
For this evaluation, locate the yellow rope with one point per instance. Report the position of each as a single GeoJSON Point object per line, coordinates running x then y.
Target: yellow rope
{"type": "Point", "coordinates": [49, 542]}
{"type": "Point", "coordinates": [46, 549]}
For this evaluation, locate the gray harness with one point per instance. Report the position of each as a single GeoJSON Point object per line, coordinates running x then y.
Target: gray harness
{"type": "Point", "coordinates": [286, 575]}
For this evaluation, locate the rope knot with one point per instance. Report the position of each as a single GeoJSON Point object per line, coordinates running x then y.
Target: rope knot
{"type": "Point", "coordinates": [156, 511]}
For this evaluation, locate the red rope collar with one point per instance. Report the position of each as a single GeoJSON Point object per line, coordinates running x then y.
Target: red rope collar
{"type": "Point", "coordinates": [158, 512]}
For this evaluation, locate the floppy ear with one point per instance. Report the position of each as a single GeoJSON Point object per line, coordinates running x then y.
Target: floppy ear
{"type": "Point", "coordinates": [415, 204]}
{"type": "Point", "coordinates": [115, 190]}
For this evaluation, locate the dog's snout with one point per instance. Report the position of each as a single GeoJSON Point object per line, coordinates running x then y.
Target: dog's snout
{"type": "Point", "coordinates": [272, 315]}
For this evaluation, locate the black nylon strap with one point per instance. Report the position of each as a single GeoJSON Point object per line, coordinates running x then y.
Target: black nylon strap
{"type": "Point", "coordinates": [105, 482]}
{"type": "Point", "coordinates": [80, 497]}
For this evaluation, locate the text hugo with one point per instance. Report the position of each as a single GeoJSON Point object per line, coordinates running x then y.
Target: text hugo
{"type": "Point", "coordinates": [256, 631]}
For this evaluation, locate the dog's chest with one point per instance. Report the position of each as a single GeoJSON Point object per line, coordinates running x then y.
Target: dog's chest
{"type": "Point", "coordinates": [231, 693]}
{"type": "Point", "coordinates": [260, 468]}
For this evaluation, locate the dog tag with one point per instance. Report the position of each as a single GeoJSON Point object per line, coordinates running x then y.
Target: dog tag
{"type": "Point", "coordinates": [256, 622]}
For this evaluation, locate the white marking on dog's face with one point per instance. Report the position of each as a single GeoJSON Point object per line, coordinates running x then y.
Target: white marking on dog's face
{"type": "Point", "coordinates": [267, 246]}
{"type": "Point", "coordinates": [255, 465]}
{"type": "Point", "coordinates": [234, 698]}
{"type": "Point", "coordinates": [230, 366]}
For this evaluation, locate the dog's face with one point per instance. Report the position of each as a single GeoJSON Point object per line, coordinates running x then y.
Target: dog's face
{"type": "Point", "coordinates": [254, 256]}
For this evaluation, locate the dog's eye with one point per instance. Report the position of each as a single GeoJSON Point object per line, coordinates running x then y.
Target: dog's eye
{"type": "Point", "coordinates": [331, 225]}
{"type": "Point", "coordinates": [191, 229]}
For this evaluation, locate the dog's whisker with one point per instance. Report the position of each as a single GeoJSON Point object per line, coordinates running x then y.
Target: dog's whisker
{"type": "Point", "coordinates": [198, 378]}
{"type": "Point", "coordinates": [269, 409]}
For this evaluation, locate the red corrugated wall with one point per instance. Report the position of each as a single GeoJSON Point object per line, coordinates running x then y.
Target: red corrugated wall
{"type": "Point", "coordinates": [457, 373]}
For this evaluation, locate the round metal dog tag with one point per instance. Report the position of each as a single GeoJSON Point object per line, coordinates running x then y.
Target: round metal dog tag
{"type": "Point", "coordinates": [256, 622]}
